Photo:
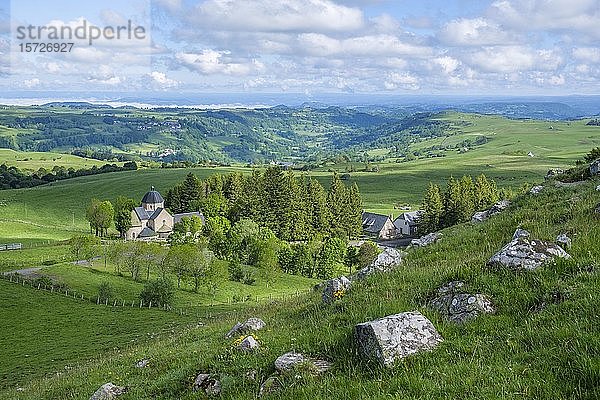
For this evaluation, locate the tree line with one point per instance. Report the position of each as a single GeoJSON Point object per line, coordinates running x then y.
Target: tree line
{"type": "Point", "coordinates": [15, 178]}
{"type": "Point", "coordinates": [460, 200]}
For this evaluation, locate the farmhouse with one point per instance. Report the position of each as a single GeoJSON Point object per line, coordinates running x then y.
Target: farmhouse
{"type": "Point", "coordinates": [151, 221]}
{"type": "Point", "coordinates": [406, 224]}
{"type": "Point", "coordinates": [378, 225]}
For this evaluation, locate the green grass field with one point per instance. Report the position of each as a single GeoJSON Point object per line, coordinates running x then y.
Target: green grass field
{"type": "Point", "coordinates": [30, 160]}
{"type": "Point", "coordinates": [542, 342]}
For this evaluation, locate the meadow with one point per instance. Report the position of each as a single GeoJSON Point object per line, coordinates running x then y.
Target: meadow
{"type": "Point", "coordinates": [541, 343]}
{"type": "Point", "coordinates": [32, 160]}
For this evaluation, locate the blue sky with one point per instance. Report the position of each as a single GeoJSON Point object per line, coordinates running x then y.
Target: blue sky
{"type": "Point", "coordinates": [542, 47]}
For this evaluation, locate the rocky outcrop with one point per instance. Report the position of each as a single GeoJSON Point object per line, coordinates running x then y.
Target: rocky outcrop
{"type": "Point", "coordinates": [426, 240]}
{"type": "Point", "coordinates": [252, 324]}
{"type": "Point", "coordinates": [525, 253]}
{"type": "Point", "coordinates": [290, 361]}
{"type": "Point", "coordinates": [249, 343]}
{"type": "Point", "coordinates": [396, 336]}
{"type": "Point", "coordinates": [335, 289]}
{"type": "Point", "coordinates": [386, 260]}
{"type": "Point", "coordinates": [455, 305]}
{"type": "Point", "coordinates": [207, 383]}
{"type": "Point", "coordinates": [536, 190]}
{"type": "Point", "coordinates": [108, 391]}
{"type": "Point", "coordinates": [495, 209]}
{"type": "Point", "coordinates": [564, 241]}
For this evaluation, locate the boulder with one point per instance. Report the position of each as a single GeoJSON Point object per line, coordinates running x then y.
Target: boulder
{"type": "Point", "coordinates": [595, 168]}
{"type": "Point", "coordinates": [395, 337]}
{"type": "Point", "coordinates": [525, 253]}
{"type": "Point", "coordinates": [598, 188]}
{"type": "Point", "coordinates": [108, 391]}
{"type": "Point", "coordinates": [426, 240]}
{"type": "Point", "coordinates": [536, 189]}
{"type": "Point", "coordinates": [142, 363]}
{"type": "Point", "coordinates": [248, 344]}
{"type": "Point", "coordinates": [207, 383]}
{"type": "Point", "coordinates": [520, 233]}
{"type": "Point", "coordinates": [564, 241]}
{"type": "Point", "coordinates": [252, 324]}
{"type": "Point", "coordinates": [597, 209]}
{"type": "Point", "coordinates": [456, 306]}
{"type": "Point", "coordinates": [290, 361]}
{"type": "Point", "coordinates": [386, 260]}
{"type": "Point", "coordinates": [335, 289]}
{"type": "Point", "coordinates": [480, 216]}
{"type": "Point", "coordinates": [497, 208]}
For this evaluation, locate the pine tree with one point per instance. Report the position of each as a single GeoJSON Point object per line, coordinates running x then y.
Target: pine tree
{"type": "Point", "coordinates": [317, 209]}
{"type": "Point", "coordinates": [452, 203]}
{"type": "Point", "coordinates": [336, 198]}
{"type": "Point", "coordinates": [277, 199]}
{"type": "Point", "coordinates": [430, 220]}
{"type": "Point", "coordinates": [467, 202]}
{"type": "Point", "coordinates": [353, 212]}
{"type": "Point", "coordinates": [123, 208]}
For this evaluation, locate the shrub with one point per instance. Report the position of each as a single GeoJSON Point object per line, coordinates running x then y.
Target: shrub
{"type": "Point", "coordinates": [158, 292]}
{"type": "Point", "coordinates": [105, 291]}
{"type": "Point", "coordinates": [236, 274]}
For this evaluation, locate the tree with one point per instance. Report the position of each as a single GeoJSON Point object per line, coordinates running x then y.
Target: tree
{"type": "Point", "coordinates": [353, 212]}
{"type": "Point", "coordinates": [267, 260]}
{"type": "Point", "coordinates": [431, 217]}
{"type": "Point", "coordinates": [200, 270]}
{"type": "Point", "coordinates": [100, 216]}
{"type": "Point", "coordinates": [317, 210]}
{"type": "Point", "coordinates": [158, 292]}
{"type": "Point", "coordinates": [467, 202]}
{"type": "Point", "coordinates": [336, 198]}
{"type": "Point", "coordinates": [452, 203]}
{"type": "Point", "coordinates": [367, 253]}
{"type": "Point", "coordinates": [84, 247]}
{"type": "Point", "coordinates": [123, 208]}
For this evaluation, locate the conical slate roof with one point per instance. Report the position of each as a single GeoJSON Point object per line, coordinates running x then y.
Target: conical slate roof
{"type": "Point", "coordinates": [152, 197]}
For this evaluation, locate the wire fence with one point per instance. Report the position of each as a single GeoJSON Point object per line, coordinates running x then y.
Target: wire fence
{"type": "Point", "coordinates": [61, 290]}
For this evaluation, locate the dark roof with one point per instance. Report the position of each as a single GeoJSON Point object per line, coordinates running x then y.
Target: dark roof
{"type": "Point", "coordinates": [147, 232]}
{"type": "Point", "coordinates": [156, 212]}
{"type": "Point", "coordinates": [373, 223]}
{"type": "Point", "coordinates": [142, 213]}
{"type": "Point", "coordinates": [177, 217]}
{"type": "Point", "coordinates": [152, 197]}
{"type": "Point", "coordinates": [410, 217]}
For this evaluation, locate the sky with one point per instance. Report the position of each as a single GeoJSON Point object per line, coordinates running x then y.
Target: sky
{"type": "Point", "coordinates": [448, 47]}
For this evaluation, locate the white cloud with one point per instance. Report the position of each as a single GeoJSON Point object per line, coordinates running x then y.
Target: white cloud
{"type": "Point", "coordinates": [31, 83]}
{"type": "Point", "coordinates": [209, 62]}
{"type": "Point", "coordinates": [587, 54]}
{"type": "Point", "coordinates": [370, 45]}
{"type": "Point", "coordinates": [160, 79]}
{"type": "Point", "coordinates": [448, 64]}
{"type": "Point", "coordinates": [404, 80]}
{"type": "Point", "coordinates": [507, 59]}
{"type": "Point", "coordinates": [277, 16]}
{"type": "Point", "coordinates": [474, 32]}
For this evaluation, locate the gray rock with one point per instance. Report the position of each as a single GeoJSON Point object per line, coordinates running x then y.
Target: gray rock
{"type": "Point", "coordinates": [459, 307]}
{"type": "Point", "coordinates": [495, 209]}
{"type": "Point", "coordinates": [480, 216]}
{"type": "Point", "coordinates": [248, 344]}
{"type": "Point", "coordinates": [536, 189]}
{"type": "Point", "coordinates": [108, 391]}
{"type": "Point", "coordinates": [426, 240]}
{"type": "Point", "coordinates": [385, 261]}
{"type": "Point", "coordinates": [597, 209]}
{"type": "Point", "coordinates": [207, 383]}
{"type": "Point", "coordinates": [564, 241]}
{"type": "Point", "coordinates": [251, 375]}
{"type": "Point", "coordinates": [598, 188]}
{"type": "Point", "coordinates": [290, 361]}
{"type": "Point", "coordinates": [252, 324]}
{"type": "Point", "coordinates": [525, 253]}
{"type": "Point", "coordinates": [520, 233]}
{"type": "Point", "coordinates": [595, 168]}
{"type": "Point", "coordinates": [396, 336]}
{"type": "Point", "coordinates": [142, 363]}
{"type": "Point", "coordinates": [335, 286]}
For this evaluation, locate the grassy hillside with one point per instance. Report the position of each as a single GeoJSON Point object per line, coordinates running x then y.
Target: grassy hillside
{"type": "Point", "coordinates": [56, 211]}
{"type": "Point", "coordinates": [30, 160]}
{"type": "Point", "coordinates": [542, 343]}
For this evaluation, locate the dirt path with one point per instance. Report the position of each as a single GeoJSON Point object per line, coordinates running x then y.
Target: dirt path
{"type": "Point", "coordinates": [27, 272]}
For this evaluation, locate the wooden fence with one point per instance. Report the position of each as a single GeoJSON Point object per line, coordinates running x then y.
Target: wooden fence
{"type": "Point", "coordinates": [138, 303]}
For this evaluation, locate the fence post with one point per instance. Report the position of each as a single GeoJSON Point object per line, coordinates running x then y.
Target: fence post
{"type": "Point", "coordinates": [150, 305]}
{"type": "Point", "coordinates": [98, 301]}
